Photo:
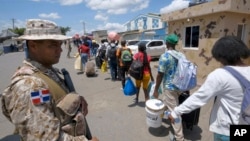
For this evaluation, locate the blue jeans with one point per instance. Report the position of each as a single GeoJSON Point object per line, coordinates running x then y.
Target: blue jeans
{"type": "Point", "coordinates": [219, 137]}
{"type": "Point", "coordinates": [84, 59]}
{"type": "Point", "coordinates": [113, 68]}
{"type": "Point", "coordinates": [94, 51]}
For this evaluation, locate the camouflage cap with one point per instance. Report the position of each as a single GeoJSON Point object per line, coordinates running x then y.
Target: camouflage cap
{"type": "Point", "coordinates": [38, 29]}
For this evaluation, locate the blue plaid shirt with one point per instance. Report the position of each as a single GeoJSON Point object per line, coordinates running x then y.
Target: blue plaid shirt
{"type": "Point", "coordinates": [167, 65]}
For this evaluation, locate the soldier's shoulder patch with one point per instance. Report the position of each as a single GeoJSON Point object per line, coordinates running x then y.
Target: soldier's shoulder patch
{"type": "Point", "coordinates": [40, 96]}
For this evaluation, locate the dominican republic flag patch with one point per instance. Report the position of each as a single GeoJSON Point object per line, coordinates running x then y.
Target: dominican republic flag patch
{"type": "Point", "coordinates": [39, 97]}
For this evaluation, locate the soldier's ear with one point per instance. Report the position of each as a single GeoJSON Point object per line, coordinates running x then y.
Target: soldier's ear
{"type": "Point", "coordinates": [31, 44]}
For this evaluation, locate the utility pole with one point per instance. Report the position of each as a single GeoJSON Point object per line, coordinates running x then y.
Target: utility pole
{"type": "Point", "coordinates": [83, 23]}
{"type": "Point", "coordinates": [13, 23]}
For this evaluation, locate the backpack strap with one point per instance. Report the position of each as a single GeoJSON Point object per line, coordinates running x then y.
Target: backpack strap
{"type": "Point", "coordinates": [120, 55]}
{"type": "Point", "coordinates": [177, 55]}
{"type": "Point", "coordinates": [56, 90]}
{"type": "Point", "coordinates": [243, 81]}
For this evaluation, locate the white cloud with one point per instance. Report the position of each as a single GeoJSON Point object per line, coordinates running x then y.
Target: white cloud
{"type": "Point", "coordinates": [112, 27]}
{"type": "Point", "coordinates": [141, 6]}
{"type": "Point", "coordinates": [50, 15]}
{"type": "Point", "coordinates": [9, 24]}
{"type": "Point", "coordinates": [70, 2]}
{"type": "Point", "coordinates": [101, 17]}
{"type": "Point", "coordinates": [5, 25]}
{"type": "Point", "coordinates": [73, 32]}
{"type": "Point", "coordinates": [117, 11]}
{"type": "Point", "coordinates": [175, 5]}
{"type": "Point", "coordinates": [20, 24]}
{"type": "Point", "coordinates": [62, 2]}
{"type": "Point", "coordinates": [117, 6]}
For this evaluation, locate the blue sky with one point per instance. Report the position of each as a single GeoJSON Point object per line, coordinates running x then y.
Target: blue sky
{"type": "Point", "coordinates": [108, 15]}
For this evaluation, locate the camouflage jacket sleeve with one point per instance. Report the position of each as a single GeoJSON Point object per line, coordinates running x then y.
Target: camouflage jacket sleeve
{"type": "Point", "coordinates": [32, 121]}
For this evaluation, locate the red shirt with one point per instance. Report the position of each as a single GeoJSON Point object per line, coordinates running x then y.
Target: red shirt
{"type": "Point", "coordinates": [83, 49]}
{"type": "Point", "coordinates": [140, 56]}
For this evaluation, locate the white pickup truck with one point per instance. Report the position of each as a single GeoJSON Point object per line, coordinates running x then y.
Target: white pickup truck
{"type": "Point", "coordinates": [154, 47]}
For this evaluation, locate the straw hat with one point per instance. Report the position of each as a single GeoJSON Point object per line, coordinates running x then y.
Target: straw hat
{"type": "Point", "coordinates": [38, 29]}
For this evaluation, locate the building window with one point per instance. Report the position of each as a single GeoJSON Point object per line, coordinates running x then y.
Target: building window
{"type": "Point", "coordinates": [155, 23]}
{"type": "Point", "coordinates": [241, 31]}
{"type": "Point", "coordinates": [192, 37]}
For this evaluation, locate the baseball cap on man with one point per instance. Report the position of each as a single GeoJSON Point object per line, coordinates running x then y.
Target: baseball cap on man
{"type": "Point", "coordinates": [172, 39]}
{"type": "Point", "coordinates": [38, 29]}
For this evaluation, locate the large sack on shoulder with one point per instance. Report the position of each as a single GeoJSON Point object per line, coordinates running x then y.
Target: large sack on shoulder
{"type": "Point", "coordinates": [90, 68]}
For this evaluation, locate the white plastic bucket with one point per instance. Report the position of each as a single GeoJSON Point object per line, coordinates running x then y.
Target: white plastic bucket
{"type": "Point", "coordinates": [154, 109]}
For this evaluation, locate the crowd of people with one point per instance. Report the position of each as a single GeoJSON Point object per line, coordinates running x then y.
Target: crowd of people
{"type": "Point", "coordinates": [92, 44]}
{"type": "Point", "coordinates": [39, 91]}
{"type": "Point", "coordinates": [119, 58]}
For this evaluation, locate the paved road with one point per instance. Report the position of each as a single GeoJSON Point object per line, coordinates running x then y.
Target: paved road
{"type": "Point", "coordinates": [112, 116]}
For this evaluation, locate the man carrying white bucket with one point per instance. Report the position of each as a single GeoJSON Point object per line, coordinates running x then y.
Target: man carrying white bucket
{"type": "Point", "coordinates": [166, 69]}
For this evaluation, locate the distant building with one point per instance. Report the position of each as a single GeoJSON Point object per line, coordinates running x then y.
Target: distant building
{"type": "Point", "coordinates": [98, 35]}
{"type": "Point", "coordinates": [145, 26]}
{"type": "Point", "coordinates": [201, 25]}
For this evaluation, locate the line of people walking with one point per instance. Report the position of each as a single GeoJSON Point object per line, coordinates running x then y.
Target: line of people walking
{"type": "Point", "coordinates": [120, 58]}
{"type": "Point", "coordinates": [43, 105]}
{"type": "Point", "coordinates": [226, 102]}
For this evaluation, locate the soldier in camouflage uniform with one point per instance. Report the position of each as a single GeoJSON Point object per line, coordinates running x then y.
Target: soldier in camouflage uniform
{"type": "Point", "coordinates": [37, 101]}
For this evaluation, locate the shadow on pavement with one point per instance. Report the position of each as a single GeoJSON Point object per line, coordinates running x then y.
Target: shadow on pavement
{"type": "Point", "coordinates": [162, 131]}
{"type": "Point", "coordinates": [140, 104]}
{"type": "Point", "coordinates": [92, 76]}
{"type": "Point", "coordinates": [107, 78]}
{"type": "Point", "coordinates": [193, 134]}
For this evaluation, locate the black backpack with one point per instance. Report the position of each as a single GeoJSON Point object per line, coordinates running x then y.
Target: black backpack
{"type": "Point", "coordinates": [136, 69]}
{"type": "Point", "coordinates": [112, 52]}
{"type": "Point", "coordinates": [102, 51]}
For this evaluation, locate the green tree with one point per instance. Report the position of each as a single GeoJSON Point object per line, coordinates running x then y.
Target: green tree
{"type": "Point", "coordinates": [64, 30]}
{"type": "Point", "coordinates": [19, 31]}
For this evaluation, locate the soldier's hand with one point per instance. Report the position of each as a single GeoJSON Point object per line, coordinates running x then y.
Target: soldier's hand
{"type": "Point", "coordinates": [84, 106]}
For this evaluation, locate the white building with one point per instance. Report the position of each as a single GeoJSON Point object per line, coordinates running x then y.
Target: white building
{"type": "Point", "coordinates": [145, 22]}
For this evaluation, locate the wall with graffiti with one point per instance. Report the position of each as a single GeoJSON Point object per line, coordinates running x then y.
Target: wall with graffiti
{"type": "Point", "coordinates": [211, 27]}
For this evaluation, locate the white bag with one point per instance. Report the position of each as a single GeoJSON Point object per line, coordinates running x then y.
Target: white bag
{"type": "Point", "coordinates": [78, 63]}
{"type": "Point", "coordinates": [151, 89]}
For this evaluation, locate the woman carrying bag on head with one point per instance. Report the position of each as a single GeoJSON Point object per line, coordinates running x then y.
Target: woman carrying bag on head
{"type": "Point", "coordinates": [147, 74]}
